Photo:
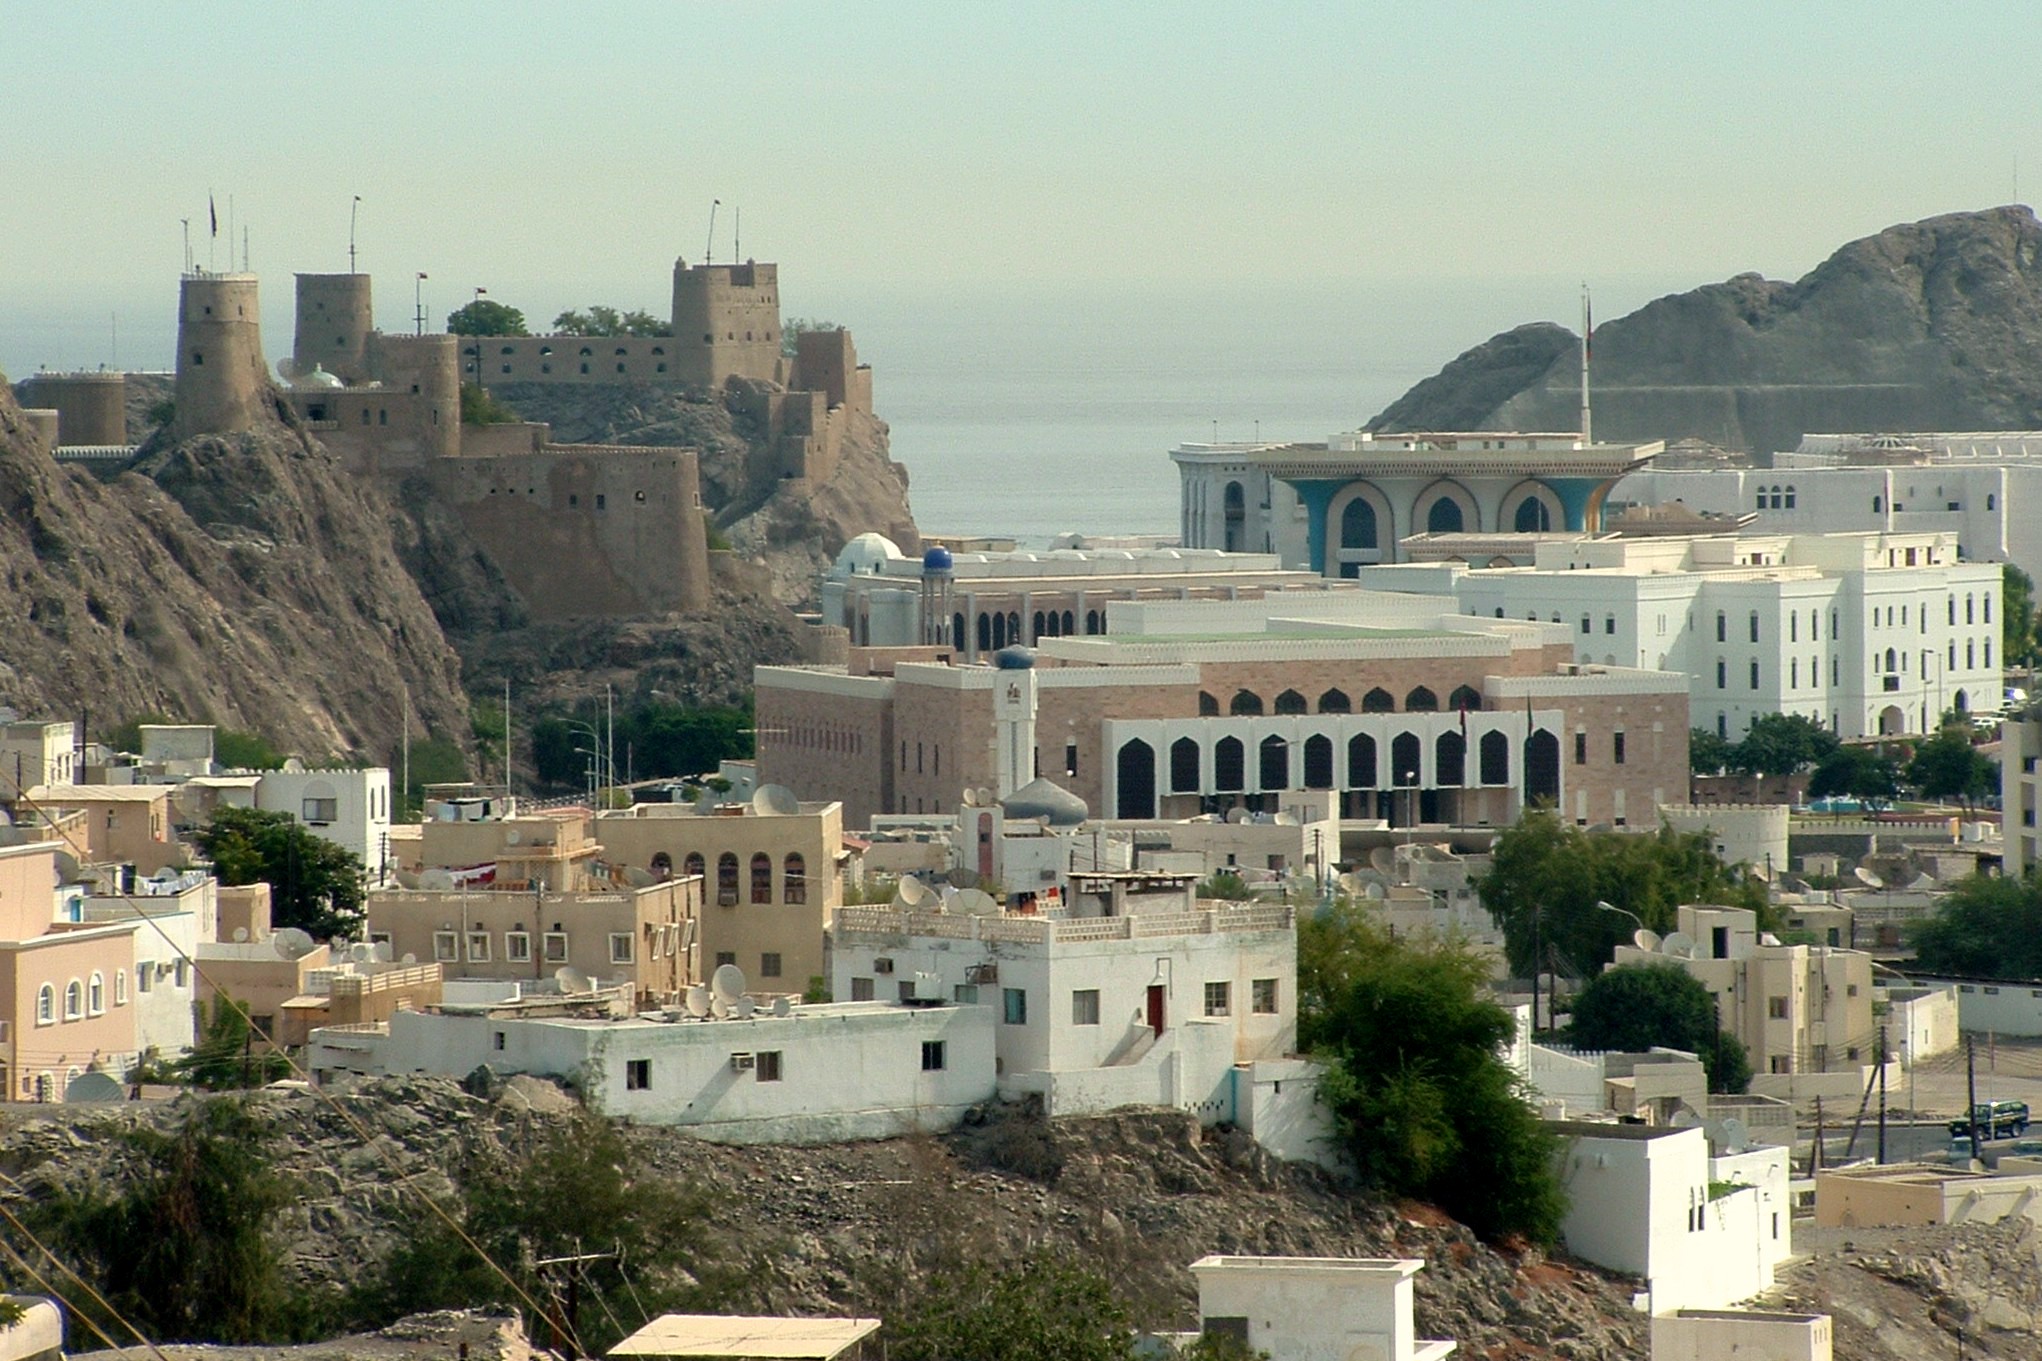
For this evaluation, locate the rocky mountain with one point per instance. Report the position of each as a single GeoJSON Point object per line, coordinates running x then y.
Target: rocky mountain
{"type": "Point", "coordinates": [1924, 326]}
{"type": "Point", "coordinates": [247, 581]}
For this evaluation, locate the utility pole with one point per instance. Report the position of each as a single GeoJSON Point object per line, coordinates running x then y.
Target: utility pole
{"type": "Point", "coordinates": [1815, 1149]}
{"type": "Point", "coordinates": [1882, 1095]}
{"type": "Point", "coordinates": [1971, 1095]}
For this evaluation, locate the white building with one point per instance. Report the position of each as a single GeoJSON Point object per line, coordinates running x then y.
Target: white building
{"type": "Point", "coordinates": [1703, 1232]}
{"type": "Point", "coordinates": [34, 754]}
{"type": "Point", "coordinates": [1315, 1308]}
{"type": "Point", "coordinates": [820, 1074]}
{"type": "Point", "coordinates": [349, 807]}
{"type": "Point", "coordinates": [1864, 633]}
{"type": "Point", "coordinates": [176, 914]}
{"type": "Point", "coordinates": [1095, 1012]}
{"type": "Point", "coordinates": [1741, 1335]}
{"type": "Point", "coordinates": [1753, 834]}
{"type": "Point", "coordinates": [2020, 785]}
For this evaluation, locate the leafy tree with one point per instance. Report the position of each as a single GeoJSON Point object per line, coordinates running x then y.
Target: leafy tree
{"type": "Point", "coordinates": [663, 740]}
{"type": "Point", "coordinates": [1781, 744]}
{"type": "Point", "coordinates": [2017, 618]}
{"type": "Point", "coordinates": [128, 736]}
{"type": "Point", "coordinates": [792, 327]}
{"type": "Point", "coordinates": [1858, 773]}
{"type": "Point", "coordinates": [486, 317]}
{"type": "Point", "coordinates": [1225, 886]}
{"type": "Point", "coordinates": [1638, 1006]}
{"type": "Point", "coordinates": [1421, 1097]}
{"type": "Point", "coordinates": [1947, 766]}
{"type": "Point", "coordinates": [314, 884]}
{"type": "Point", "coordinates": [226, 1057]}
{"type": "Point", "coordinates": [1987, 927]}
{"type": "Point", "coordinates": [1044, 1308]}
{"type": "Point", "coordinates": [245, 751]}
{"type": "Point", "coordinates": [1707, 753]}
{"type": "Point", "coordinates": [1546, 878]}
{"type": "Point", "coordinates": [478, 407]}
{"type": "Point", "coordinates": [608, 321]}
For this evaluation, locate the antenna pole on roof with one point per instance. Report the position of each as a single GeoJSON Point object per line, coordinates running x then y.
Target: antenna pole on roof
{"type": "Point", "coordinates": [1587, 345]}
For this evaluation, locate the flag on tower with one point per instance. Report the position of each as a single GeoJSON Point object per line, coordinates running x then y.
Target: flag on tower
{"type": "Point", "coordinates": [213, 212]}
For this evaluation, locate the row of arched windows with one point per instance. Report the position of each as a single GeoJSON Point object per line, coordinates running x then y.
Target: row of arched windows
{"type": "Point", "coordinates": [1419, 700]}
{"type": "Point", "coordinates": [998, 629]}
{"type": "Point", "coordinates": [82, 998]}
{"type": "Point", "coordinates": [1777, 498]}
{"type": "Point", "coordinates": [793, 882]}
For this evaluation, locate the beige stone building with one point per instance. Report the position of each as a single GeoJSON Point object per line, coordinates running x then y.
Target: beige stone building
{"type": "Point", "coordinates": [124, 824]}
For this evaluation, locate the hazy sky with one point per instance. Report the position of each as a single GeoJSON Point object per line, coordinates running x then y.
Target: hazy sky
{"type": "Point", "coordinates": [564, 153]}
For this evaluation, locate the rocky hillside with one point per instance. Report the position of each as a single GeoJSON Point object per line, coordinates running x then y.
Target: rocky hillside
{"type": "Point", "coordinates": [1929, 325]}
{"type": "Point", "coordinates": [246, 581]}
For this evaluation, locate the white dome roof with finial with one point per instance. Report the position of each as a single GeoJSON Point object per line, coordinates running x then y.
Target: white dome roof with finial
{"type": "Point", "coordinates": [866, 554]}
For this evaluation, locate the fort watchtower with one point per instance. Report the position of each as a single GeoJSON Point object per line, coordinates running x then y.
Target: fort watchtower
{"type": "Point", "coordinates": [91, 407]}
{"type": "Point", "coordinates": [727, 323]}
{"type": "Point", "coordinates": [335, 317]}
{"type": "Point", "coordinates": [222, 380]}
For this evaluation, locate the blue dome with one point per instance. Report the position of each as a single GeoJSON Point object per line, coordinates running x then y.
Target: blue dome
{"type": "Point", "coordinates": [936, 559]}
{"type": "Point", "coordinates": [1014, 659]}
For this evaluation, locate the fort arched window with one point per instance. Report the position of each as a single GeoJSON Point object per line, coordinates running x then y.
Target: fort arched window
{"type": "Point", "coordinates": [1069, 623]}
{"type": "Point", "coordinates": [1092, 624]}
{"type": "Point", "coordinates": [1533, 517]}
{"type": "Point", "coordinates": [1495, 758]}
{"type": "Point", "coordinates": [1444, 517]}
{"type": "Point", "coordinates": [1378, 701]}
{"type": "Point", "coordinates": [1245, 702]}
{"type": "Point", "coordinates": [692, 865]}
{"type": "Point", "coordinates": [1318, 761]}
{"type": "Point", "coordinates": [1184, 763]}
{"type": "Point", "coordinates": [1464, 699]}
{"type": "Point", "coordinates": [1421, 701]}
{"type": "Point", "coordinates": [1335, 701]}
{"type": "Point", "coordinates": [726, 879]}
{"type": "Point", "coordinates": [1358, 525]}
{"type": "Point", "coordinates": [1405, 749]}
{"type": "Point", "coordinates": [794, 885]}
{"type": "Point", "coordinates": [1450, 759]}
{"type": "Point", "coordinates": [1135, 769]}
{"type": "Point", "coordinates": [545, 350]}
{"type": "Point", "coordinates": [1290, 702]}
{"type": "Point", "coordinates": [1275, 763]}
{"type": "Point", "coordinates": [508, 349]}
{"type": "Point", "coordinates": [1229, 765]}
{"type": "Point", "coordinates": [586, 352]}
{"type": "Point", "coordinates": [985, 632]}
{"type": "Point", "coordinates": [1361, 761]}
{"type": "Point", "coordinates": [621, 351]}
{"type": "Point", "coordinates": [762, 878]}
{"type": "Point", "coordinates": [662, 866]}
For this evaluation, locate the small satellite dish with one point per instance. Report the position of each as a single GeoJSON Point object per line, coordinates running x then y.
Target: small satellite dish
{"type": "Point", "coordinates": [292, 943]}
{"type": "Point", "coordinates": [89, 1087]}
{"type": "Point", "coordinates": [782, 1007]}
{"type": "Point", "coordinates": [1867, 878]}
{"type": "Point", "coordinates": [698, 1000]}
{"type": "Point", "coordinates": [1768, 938]}
{"type": "Point", "coordinates": [1373, 892]}
{"type": "Point", "coordinates": [164, 875]}
{"type": "Point", "coordinates": [512, 836]}
{"type": "Point", "coordinates": [361, 952]}
{"type": "Point", "coordinates": [406, 879]}
{"type": "Point", "coordinates": [975, 902]}
{"type": "Point", "coordinates": [1383, 859]}
{"type": "Point", "coordinates": [775, 800]}
{"type": "Point", "coordinates": [961, 877]}
{"type": "Point", "coordinates": [911, 892]}
{"type": "Point", "coordinates": [1736, 1138]}
{"type": "Point", "coordinates": [1285, 820]}
{"type": "Point", "coordinates": [410, 958]}
{"type": "Point", "coordinates": [727, 983]}
{"type": "Point", "coordinates": [745, 1008]}
{"type": "Point", "coordinates": [67, 867]}
{"type": "Point", "coordinates": [1679, 945]}
{"type": "Point", "coordinates": [982, 797]}
{"type": "Point", "coordinates": [1646, 939]}
{"type": "Point", "coordinates": [436, 881]}
{"type": "Point", "coordinates": [639, 877]}
{"type": "Point", "coordinates": [719, 1008]}
{"type": "Point", "coordinates": [969, 798]}
{"type": "Point", "coordinates": [572, 980]}
{"type": "Point", "coordinates": [240, 935]}
{"type": "Point", "coordinates": [1685, 1118]}
{"type": "Point", "coordinates": [381, 951]}
{"type": "Point", "coordinates": [1238, 816]}
{"type": "Point", "coordinates": [1351, 885]}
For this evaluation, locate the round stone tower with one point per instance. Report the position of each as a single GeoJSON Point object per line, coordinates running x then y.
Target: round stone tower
{"type": "Point", "coordinates": [334, 321]}
{"type": "Point", "coordinates": [92, 408]}
{"type": "Point", "coordinates": [423, 376]}
{"type": "Point", "coordinates": [222, 381]}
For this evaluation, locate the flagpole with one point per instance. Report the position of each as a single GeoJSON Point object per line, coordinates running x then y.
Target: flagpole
{"type": "Point", "coordinates": [1587, 331]}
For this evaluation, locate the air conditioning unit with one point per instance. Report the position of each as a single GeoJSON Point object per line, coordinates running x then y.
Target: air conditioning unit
{"type": "Point", "coordinates": [743, 1063]}
{"type": "Point", "coordinates": [883, 964]}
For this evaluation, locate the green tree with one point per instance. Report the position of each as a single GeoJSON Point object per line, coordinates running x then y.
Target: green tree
{"type": "Point", "coordinates": [226, 1056]}
{"type": "Point", "coordinates": [2017, 617]}
{"type": "Point", "coordinates": [608, 321]}
{"type": "Point", "coordinates": [1987, 927]}
{"type": "Point", "coordinates": [1781, 744]}
{"type": "Point", "coordinates": [237, 750]}
{"type": "Point", "coordinates": [1636, 1007]}
{"type": "Point", "coordinates": [1043, 1308]}
{"type": "Point", "coordinates": [792, 327]}
{"type": "Point", "coordinates": [1857, 773]}
{"type": "Point", "coordinates": [1225, 886]}
{"type": "Point", "coordinates": [314, 884]}
{"type": "Point", "coordinates": [1707, 754]}
{"type": "Point", "coordinates": [1947, 766]}
{"type": "Point", "coordinates": [478, 407]}
{"type": "Point", "coordinates": [1421, 1098]}
{"type": "Point", "coordinates": [486, 317]}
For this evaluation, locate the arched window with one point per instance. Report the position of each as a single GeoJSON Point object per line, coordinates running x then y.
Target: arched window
{"type": "Point", "coordinates": [1533, 517]}
{"type": "Point", "coordinates": [1245, 702]}
{"type": "Point", "coordinates": [1275, 763]}
{"type": "Point", "coordinates": [1722, 627]}
{"type": "Point", "coordinates": [726, 879]}
{"type": "Point", "coordinates": [74, 1000]}
{"type": "Point", "coordinates": [1335, 701]}
{"type": "Point", "coordinates": [1361, 761]}
{"type": "Point", "coordinates": [1542, 767]}
{"type": "Point", "coordinates": [957, 634]}
{"type": "Point", "coordinates": [1135, 767]}
{"type": "Point", "coordinates": [1069, 623]}
{"type": "Point", "coordinates": [1986, 602]}
{"type": "Point", "coordinates": [1495, 758]}
{"type": "Point", "coordinates": [1358, 525]}
{"type": "Point", "coordinates": [1184, 764]}
{"type": "Point", "coordinates": [95, 995]}
{"type": "Point", "coordinates": [662, 866]}
{"type": "Point", "coordinates": [1318, 761]}
{"type": "Point", "coordinates": [1000, 631]}
{"type": "Point", "coordinates": [1378, 701]}
{"type": "Point", "coordinates": [1405, 749]}
{"type": "Point", "coordinates": [1450, 759]}
{"type": "Point", "coordinates": [1970, 610]}
{"type": "Point", "coordinates": [762, 878]}
{"type": "Point", "coordinates": [1421, 701]}
{"type": "Point", "coordinates": [1229, 765]}
{"type": "Point", "coordinates": [45, 1005]}
{"type": "Point", "coordinates": [1444, 517]}
{"type": "Point", "coordinates": [120, 987]}
{"type": "Point", "coordinates": [692, 865]}
{"type": "Point", "coordinates": [1039, 629]}
{"type": "Point", "coordinates": [1465, 699]}
{"type": "Point", "coordinates": [1892, 660]}
{"type": "Point", "coordinates": [1235, 511]}
{"type": "Point", "coordinates": [1790, 496]}
{"type": "Point", "coordinates": [1290, 702]}
{"type": "Point", "coordinates": [1092, 622]}
{"type": "Point", "coordinates": [794, 884]}
{"type": "Point", "coordinates": [985, 633]}
{"type": "Point", "coordinates": [1208, 706]}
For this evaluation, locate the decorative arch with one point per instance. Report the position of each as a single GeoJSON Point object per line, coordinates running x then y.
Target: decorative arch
{"type": "Point", "coordinates": [1361, 528]}
{"type": "Point", "coordinates": [1532, 507]}
{"type": "Point", "coordinates": [1229, 765]}
{"type": "Point", "coordinates": [1208, 706]}
{"type": "Point", "coordinates": [1464, 698]}
{"type": "Point", "coordinates": [1542, 768]}
{"type": "Point", "coordinates": [1185, 762]}
{"type": "Point", "coordinates": [1335, 701]}
{"type": "Point", "coordinates": [1450, 759]}
{"type": "Point", "coordinates": [794, 881]}
{"type": "Point", "coordinates": [1378, 701]}
{"type": "Point", "coordinates": [762, 878]}
{"type": "Point", "coordinates": [1318, 762]}
{"type": "Point", "coordinates": [1494, 759]}
{"type": "Point", "coordinates": [1465, 517]}
{"type": "Point", "coordinates": [726, 878]}
{"type": "Point", "coordinates": [1289, 702]}
{"type": "Point", "coordinates": [662, 866]}
{"type": "Point", "coordinates": [1234, 502]}
{"type": "Point", "coordinates": [1135, 772]}
{"type": "Point", "coordinates": [1273, 764]}
{"type": "Point", "coordinates": [1406, 758]}
{"type": "Point", "coordinates": [1361, 761]}
{"type": "Point", "coordinates": [693, 865]}
{"type": "Point", "coordinates": [1421, 701]}
{"type": "Point", "coordinates": [1244, 704]}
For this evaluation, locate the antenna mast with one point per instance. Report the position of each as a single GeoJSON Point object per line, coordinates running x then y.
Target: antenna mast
{"type": "Point", "coordinates": [1587, 345]}
{"type": "Point", "coordinates": [737, 232]}
{"type": "Point", "coordinates": [352, 210]}
{"type": "Point", "coordinates": [709, 246]}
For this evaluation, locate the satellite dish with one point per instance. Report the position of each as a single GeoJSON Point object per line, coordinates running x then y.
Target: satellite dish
{"type": "Point", "coordinates": [961, 877]}
{"type": "Point", "coordinates": [361, 952]}
{"type": "Point", "coordinates": [572, 980]}
{"type": "Point", "coordinates": [67, 867]}
{"type": "Point", "coordinates": [1372, 892]}
{"type": "Point", "coordinates": [974, 902]}
{"type": "Point", "coordinates": [406, 879]}
{"type": "Point", "coordinates": [381, 951]}
{"type": "Point", "coordinates": [1867, 878]}
{"type": "Point", "coordinates": [1351, 885]}
{"type": "Point", "coordinates": [1679, 945]}
{"type": "Point", "coordinates": [436, 881]}
{"type": "Point", "coordinates": [639, 877]}
{"type": "Point", "coordinates": [292, 943]}
{"type": "Point", "coordinates": [512, 836]}
{"type": "Point", "coordinates": [745, 1008]}
{"type": "Point", "coordinates": [1383, 859]}
{"type": "Point", "coordinates": [1736, 1138]}
{"type": "Point", "coordinates": [1237, 816]}
{"type": "Point", "coordinates": [782, 1007]}
{"type": "Point", "coordinates": [93, 1087]}
{"type": "Point", "coordinates": [727, 983]}
{"type": "Point", "coordinates": [1285, 820]}
{"type": "Point", "coordinates": [775, 799]}
{"type": "Point", "coordinates": [969, 798]}
{"type": "Point", "coordinates": [1768, 938]}
{"type": "Point", "coordinates": [410, 958]}
{"type": "Point", "coordinates": [698, 1001]}
{"type": "Point", "coordinates": [911, 892]}
{"type": "Point", "coordinates": [719, 1008]}
{"type": "Point", "coordinates": [1646, 939]}
{"type": "Point", "coordinates": [982, 797]}
{"type": "Point", "coordinates": [240, 935]}
{"type": "Point", "coordinates": [1685, 1118]}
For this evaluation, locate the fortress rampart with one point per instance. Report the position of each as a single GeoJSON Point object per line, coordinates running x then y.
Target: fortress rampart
{"type": "Point", "coordinates": [91, 407]}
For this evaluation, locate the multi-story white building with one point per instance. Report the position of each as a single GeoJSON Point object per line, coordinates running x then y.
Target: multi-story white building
{"type": "Point", "coordinates": [350, 808]}
{"type": "Point", "coordinates": [36, 753]}
{"type": "Point", "coordinates": [1864, 633]}
{"type": "Point", "coordinates": [2020, 776]}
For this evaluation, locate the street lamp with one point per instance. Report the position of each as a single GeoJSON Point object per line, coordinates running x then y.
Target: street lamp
{"type": "Point", "coordinates": [1602, 906]}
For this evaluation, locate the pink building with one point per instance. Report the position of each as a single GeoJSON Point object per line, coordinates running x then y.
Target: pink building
{"type": "Point", "coordinates": [66, 1000]}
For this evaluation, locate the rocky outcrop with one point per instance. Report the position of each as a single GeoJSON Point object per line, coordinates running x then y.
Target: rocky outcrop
{"type": "Point", "coordinates": [1929, 325]}
{"type": "Point", "coordinates": [244, 580]}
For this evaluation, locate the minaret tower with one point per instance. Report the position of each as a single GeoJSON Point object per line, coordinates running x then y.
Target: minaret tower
{"type": "Point", "coordinates": [1013, 719]}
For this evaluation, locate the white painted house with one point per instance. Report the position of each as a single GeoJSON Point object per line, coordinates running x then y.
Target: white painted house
{"type": "Point", "coordinates": [350, 808]}
{"type": "Point", "coordinates": [1315, 1308]}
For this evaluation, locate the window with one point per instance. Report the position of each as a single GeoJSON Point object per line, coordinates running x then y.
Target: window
{"type": "Point", "coordinates": [1617, 747]}
{"type": "Point", "coordinates": [45, 1005]}
{"type": "Point", "coordinates": [1754, 673]}
{"type": "Point", "coordinates": [319, 812]}
{"type": "Point", "coordinates": [1722, 673]}
{"type": "Point", "coordinates": [120, 987]}
{"type": "Point", "coordinates": [556, 947]}
{"type": "Point", "coordinates": [95, 995]}
{"type": "Point", "coordinates": [861, 990]}
{"type": "Point", "coordinates": [1609, 623]}
{"type": "Point", "coordinates": [517, 946]}
{"type": "Point", "coordinates": [478, 947]}
{"type": "Point", "coordinates": [965, 994]}
{"type": "Point", "coordinates": [1722, 625]}
{"type": "Point", "coordinates": [1776, 1008]}
{"type": "Point", "coordinates": [1218, 999]}
{"type": "Point", "coordinates": [145, 976]}
{"type": "Point", "coordinates": [498, 1039]}
{"type": "Point", "coordinates": [932, 1056]}
{"type": "Point", "coordinates": [794, 883]}
{"type": "Point", "coordinates": [724, 957]}
{"type": "Point", "coordinates": [1262, 997]}
{"type": "Point", "coordinates": [1754, 626]}
{"type": "Point", "coordinates": [621, 943]}
{"type": "Point", "coordinates": [1015, 1004]}
{"type": "Point", "coordinates": [446, 948]}
{"type": "Point", "coordinates": [762, 878]}
{"type": "Point", "coordinates": [1581, 749]}
{"type": "Point", "coordinates": [1585, 626]}
{"type": "Point", "coordinates": [74, 1000]}
{"type": "Point", "coordinates": [769, 964]}
{"type": "Point", "coordinates": [637, 1074]}
{"type": "Point", "coordinates": [767, 1066]}
{"type": "Point", "coordinates": [1085, 1006]}
{"type": "Point", "coordinates": [726, 880]}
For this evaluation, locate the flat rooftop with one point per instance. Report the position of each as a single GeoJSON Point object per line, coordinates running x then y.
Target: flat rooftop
{"type": "Point", "coordinates": [739, 1337]}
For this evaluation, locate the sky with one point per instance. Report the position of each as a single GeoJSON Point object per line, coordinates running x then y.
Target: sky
{"type": "Point", "coordinates": [945, 156]}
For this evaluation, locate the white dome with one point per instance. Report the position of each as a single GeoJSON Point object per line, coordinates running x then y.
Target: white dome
{"type": "Point", "coordinates": [866, 554]}
{"type": "Point", "coordinates": [318, 379]}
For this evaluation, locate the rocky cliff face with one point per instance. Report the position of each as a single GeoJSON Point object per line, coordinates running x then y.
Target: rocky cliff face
{"type": "Point", "coordinates": [243, 580]}
{"type": "Point", "coordinates": [1930, 325]}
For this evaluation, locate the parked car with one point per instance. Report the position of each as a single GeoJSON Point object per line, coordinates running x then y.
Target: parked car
{"type": "Point", "coordinates": [1995, 1120]}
